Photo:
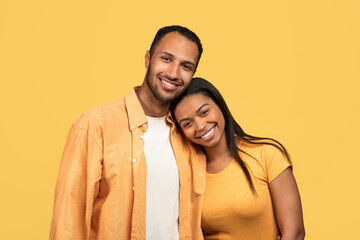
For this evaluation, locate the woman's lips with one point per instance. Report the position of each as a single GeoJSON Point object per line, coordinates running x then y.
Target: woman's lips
{"type": "Point", "coordinates": [209, 134]}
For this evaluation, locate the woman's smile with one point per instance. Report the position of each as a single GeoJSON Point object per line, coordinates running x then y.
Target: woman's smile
{"type": "Point", "coordinates": [209, 134]}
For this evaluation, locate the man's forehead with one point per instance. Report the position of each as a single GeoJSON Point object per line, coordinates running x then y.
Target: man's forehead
{"type": "Point", "coordinates": [178, 45]}
{"type": "Point", "coordinates": [173, 38]}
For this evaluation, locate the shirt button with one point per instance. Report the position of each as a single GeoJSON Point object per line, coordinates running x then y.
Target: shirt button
{"type": "Point", "coordinates": [141, 137]}
{"type": "Point", "coordinates": [132, 127]}
{"type": "Point", "coordinates": [144, 125]}
{"type": "Point", "coordinates": [133, 160]}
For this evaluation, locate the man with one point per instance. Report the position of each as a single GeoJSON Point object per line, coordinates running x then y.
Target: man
{"type": "Point", "coordinates": [126, 173]}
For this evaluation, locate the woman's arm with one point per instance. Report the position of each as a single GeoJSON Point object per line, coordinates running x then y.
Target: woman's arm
{"type": "Point", "coordinates": [287, 206]}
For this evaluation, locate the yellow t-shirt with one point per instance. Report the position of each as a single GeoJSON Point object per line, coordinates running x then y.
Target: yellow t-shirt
{"type": "Point", "coordinates": [230, 209]}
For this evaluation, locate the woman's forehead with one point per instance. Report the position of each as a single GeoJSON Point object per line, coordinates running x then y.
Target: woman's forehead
{"type": "Point", "coordinates": [192, 102]}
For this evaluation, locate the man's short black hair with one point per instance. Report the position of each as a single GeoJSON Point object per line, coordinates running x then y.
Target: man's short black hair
{"type": "Point", "coordinates": [182, 31]}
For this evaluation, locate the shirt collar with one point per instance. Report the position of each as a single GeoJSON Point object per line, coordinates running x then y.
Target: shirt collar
{"type": "Point", "coordinates": [136, 115]}
{"type": "Point", "coordinates": [170, 120]}
{"type": "Point", "coordinates": [134, 110]}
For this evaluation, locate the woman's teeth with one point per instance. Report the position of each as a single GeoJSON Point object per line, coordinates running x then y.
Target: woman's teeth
{"type": "Point", "coordinates": [208, 133]}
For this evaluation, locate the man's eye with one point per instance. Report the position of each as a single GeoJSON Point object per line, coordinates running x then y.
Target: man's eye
{"type": "Point", "coordinates": [187, 67]}
{"type": "Point", "coordinates": [166, 59]}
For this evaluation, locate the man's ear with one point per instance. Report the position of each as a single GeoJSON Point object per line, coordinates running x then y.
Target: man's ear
{"type": "Point", "coordinates": [147, 59]}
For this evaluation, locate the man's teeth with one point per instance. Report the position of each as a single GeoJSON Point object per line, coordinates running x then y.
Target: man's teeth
{"type": "Point", "coordinates": [169, 84]}
{"type": "Point", "coordinates": [208, 133]}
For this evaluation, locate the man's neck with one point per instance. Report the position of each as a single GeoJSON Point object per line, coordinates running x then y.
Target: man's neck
{"type": "Point", "coordinates": [151, 106]}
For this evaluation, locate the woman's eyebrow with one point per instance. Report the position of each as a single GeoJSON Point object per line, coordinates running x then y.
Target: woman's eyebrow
{"type": "Point", "coordinates": [199, 109]}
{"type": "Point", "coordinates": [184, 119]}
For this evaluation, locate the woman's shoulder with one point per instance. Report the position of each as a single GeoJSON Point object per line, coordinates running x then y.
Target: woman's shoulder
{"type": "Point", "coordinates": [261, 149]}
{"type": "Point", "coordinates": [252, 142]}
{"type": "Point", "coordinates": [268, 154]}
{"type": "Point", "coordinates": [259, 145]}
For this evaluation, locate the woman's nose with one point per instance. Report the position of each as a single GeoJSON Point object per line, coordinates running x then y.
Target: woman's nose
{"type": "Point", "coordinates": [200, 125]}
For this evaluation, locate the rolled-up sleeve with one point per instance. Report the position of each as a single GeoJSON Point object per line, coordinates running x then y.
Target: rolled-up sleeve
{"type": "Point", "coordinates": [77, 186]}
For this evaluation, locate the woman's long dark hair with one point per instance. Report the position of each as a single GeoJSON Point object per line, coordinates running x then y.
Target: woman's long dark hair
{"type": "Point", "coordinates": [233, 130]}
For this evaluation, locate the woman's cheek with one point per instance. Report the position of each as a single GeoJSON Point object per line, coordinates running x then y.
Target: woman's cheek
{"type": "Point", "coordinates": [188, 135]}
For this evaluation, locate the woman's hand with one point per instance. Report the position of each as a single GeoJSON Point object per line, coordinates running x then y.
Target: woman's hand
{"type": "Point", "coordinates": [287, 206]}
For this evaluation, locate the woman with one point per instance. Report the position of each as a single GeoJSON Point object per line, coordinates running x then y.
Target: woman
{"type": "Point", "coordinates": [250, 191]}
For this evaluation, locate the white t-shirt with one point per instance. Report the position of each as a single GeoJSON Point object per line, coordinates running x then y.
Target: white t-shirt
{"type": "Point", "coordinates": [162, 182]}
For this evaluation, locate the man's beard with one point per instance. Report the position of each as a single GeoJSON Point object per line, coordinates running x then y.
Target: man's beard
{"type": "Point", "coordinates": [150, 78]}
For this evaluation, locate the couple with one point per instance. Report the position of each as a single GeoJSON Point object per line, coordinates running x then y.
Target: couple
{"type": "Point", "coordinates": [129, 171]}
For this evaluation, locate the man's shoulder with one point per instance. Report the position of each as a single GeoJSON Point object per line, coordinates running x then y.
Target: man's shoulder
{"type": "Point", "coordinates": [107, 112]}
{"type": "Point", "coordinates": [109, 107]}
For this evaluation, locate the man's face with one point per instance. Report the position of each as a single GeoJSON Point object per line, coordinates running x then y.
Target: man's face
{"type": "Point", "coordinates": [171, 66]}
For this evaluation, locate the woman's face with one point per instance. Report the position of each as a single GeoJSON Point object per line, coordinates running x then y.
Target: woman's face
{"type": "Point", "coordinates": [201, 120]}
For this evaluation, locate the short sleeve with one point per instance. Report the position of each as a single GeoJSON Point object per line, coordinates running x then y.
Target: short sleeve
{"type": "Point", "coordinates": [275, 161]}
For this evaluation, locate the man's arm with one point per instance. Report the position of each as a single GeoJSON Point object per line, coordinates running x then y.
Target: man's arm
{"type": "Point", "coordinates": [77, 186]}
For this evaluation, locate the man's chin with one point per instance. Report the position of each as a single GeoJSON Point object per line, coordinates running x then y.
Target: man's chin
{"type": "Point", "coordinates": [166, 100]}
{"type": "Point", "coordinates": [164, 96]}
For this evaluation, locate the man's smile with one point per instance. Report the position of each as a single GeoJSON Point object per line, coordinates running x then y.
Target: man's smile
{"type": "Point", "coordinates": [167, 84]}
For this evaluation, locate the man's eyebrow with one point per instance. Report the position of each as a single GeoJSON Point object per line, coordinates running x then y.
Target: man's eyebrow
{"type": "Point", "coordinates": [167, 53]}
{"type": "Point", "coordinates": [189, 62]}
{"type": "Point", "coordinates": [172, 55]}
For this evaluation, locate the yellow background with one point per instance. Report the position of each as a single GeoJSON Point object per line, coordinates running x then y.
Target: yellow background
{"type": "Point", "coordinates": [288, 69]}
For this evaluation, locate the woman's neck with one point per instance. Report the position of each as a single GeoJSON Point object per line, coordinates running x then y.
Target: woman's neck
{"type": "Point", "coordinates": [219, 152]}
{"type": "Point", "coordinates": [217, 157]}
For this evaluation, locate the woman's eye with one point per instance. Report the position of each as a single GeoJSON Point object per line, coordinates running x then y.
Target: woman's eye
{"type": "Point", "coordinates": [187, 124]}
{"type": "Point", "coordinates": [204, 112]}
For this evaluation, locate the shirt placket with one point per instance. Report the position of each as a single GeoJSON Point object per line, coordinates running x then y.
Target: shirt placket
{"type": "Point", "coordinates": [181, 160]}
{"type": "Point", "coordinates": [138, 186]}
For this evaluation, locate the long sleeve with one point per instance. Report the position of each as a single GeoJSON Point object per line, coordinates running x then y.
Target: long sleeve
{"type": "Point", "coordinates": [77, 186]}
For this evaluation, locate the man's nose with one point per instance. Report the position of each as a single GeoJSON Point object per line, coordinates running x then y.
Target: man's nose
{"type": "Point", "coordinates": [173, 71]}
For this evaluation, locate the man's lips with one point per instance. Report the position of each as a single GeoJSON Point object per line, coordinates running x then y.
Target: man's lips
{"type": "Point", "coordinates": [168, 84]}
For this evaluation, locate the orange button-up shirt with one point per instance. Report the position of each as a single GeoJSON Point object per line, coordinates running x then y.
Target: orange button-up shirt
{"type": "Point", "coordinates": [101, 187]}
